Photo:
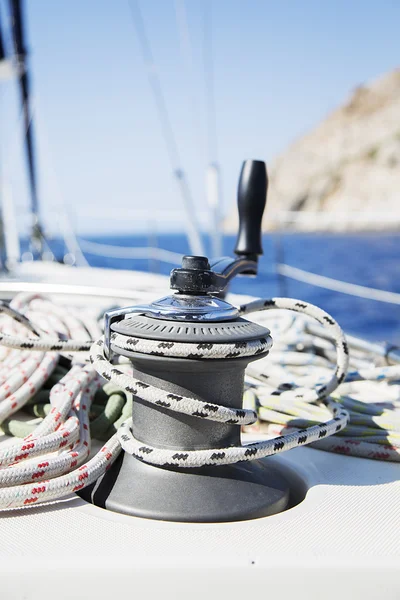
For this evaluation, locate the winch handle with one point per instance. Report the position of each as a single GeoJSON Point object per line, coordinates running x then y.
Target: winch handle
{"type": "Point", "coordinates": [252, 197]}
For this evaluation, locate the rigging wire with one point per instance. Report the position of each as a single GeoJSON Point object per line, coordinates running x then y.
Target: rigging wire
{"type": "Point", "coordinates": [187, 58]}
{"type": "Point", "coordinates": [70, 239]}
{"type": "Point", "coordinates": [154, 80]}
{"type": "Point", "coordinates": [12, 148]}
{"type": "Point", "coordinates": [213, 176]}
{"type": "Point", "coordinates": [166, 127]}
{"type": "Point", "coordinates": [209, 82]}
{"type": "Point", "coordinates": [146, 252]}
{"type": "Point", "coordinates": [336, 285]}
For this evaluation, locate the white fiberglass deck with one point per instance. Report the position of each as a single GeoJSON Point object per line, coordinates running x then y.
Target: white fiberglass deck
{"type": "Point", "coordinates": [341, 541]}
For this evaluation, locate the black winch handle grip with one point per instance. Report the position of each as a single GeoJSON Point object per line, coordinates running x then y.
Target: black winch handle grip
{"type": "Point", "coordinates": [252, 197]}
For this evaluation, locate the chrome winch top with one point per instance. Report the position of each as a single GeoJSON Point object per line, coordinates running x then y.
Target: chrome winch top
{"type": "Point", "coordinates": [199, 283]}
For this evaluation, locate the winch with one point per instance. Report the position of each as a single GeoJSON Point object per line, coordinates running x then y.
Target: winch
{"type": "Point", "coordinates": [194, 344]}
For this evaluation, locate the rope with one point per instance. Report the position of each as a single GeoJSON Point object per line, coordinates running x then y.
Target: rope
{"type": "Point", "coordinates": [191, 406]}
{"type": "Point", "coordinates": [300, 392]}
{"type": "Point", "coordinates": [369, 393]}
{"type": "Point", "coordinates": [49, 462]}
{"type": "Point", "coordinates": [336, 285]}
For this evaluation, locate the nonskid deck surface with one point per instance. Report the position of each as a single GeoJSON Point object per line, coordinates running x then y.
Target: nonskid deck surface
{"type": "Point", "coordinates": [341, 540]}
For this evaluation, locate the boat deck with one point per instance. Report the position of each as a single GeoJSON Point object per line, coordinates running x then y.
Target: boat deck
{"type": "Point", "coordinates": [342, 540]}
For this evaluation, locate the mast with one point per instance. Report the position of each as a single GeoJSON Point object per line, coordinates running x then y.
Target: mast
{"type": "Point", "coordinates": [37, 237]}
{"type": "Point", "coordinates": [2, 51]}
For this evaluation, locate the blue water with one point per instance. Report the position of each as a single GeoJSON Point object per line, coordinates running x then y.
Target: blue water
{"type": "Point", "coordinates": [366, 259]}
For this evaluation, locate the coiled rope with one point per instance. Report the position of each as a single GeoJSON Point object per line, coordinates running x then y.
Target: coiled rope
{"type": "Point", "coordinates": [292, 393]}
{"type": "Point", "coordinates": [47, 463]}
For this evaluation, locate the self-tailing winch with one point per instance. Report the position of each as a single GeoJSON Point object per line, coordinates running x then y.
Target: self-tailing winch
{"type": "Point", "coordinates": [182, 359]}
{"type": "Point", "coordinates": [183, 459]}
{"type": "Point", "coordinates": [210, 340]}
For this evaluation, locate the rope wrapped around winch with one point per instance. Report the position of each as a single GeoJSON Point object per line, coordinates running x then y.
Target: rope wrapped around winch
{"type": "Point", "coordinates": [204, 410]}
{"type": "Point", "coordinates": [294, 392]}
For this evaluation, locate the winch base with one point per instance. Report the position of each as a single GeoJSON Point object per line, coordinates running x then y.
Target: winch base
{"type": "Point", "coordinates": [245, 490]}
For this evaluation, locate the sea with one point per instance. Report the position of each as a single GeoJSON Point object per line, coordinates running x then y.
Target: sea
{"type": "Point", "coordinates": [367, 259]}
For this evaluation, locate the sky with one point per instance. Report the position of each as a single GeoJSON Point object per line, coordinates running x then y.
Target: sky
{"type": "Point", "coordinates": [278, 68]}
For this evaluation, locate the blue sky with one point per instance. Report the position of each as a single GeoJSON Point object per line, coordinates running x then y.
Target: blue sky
{"type": "Point", "coordinates": [279, 67]}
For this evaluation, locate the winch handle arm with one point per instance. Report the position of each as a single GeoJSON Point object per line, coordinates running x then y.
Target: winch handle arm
{"type": "Point", "coordinates": [200, 276]}
{"type": "Point", "coordinates": [252, 197]}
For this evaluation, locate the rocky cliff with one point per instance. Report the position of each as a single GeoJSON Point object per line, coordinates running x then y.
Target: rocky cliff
{"type": "Point", "coordinates": [345, 174]}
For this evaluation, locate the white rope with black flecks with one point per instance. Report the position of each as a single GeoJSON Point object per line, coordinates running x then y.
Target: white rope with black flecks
{"type": "Point", "coordinates": [289, 390]}
{"type": "Point", "coordinates": [40, 342]}
{"type": "Point", "coordinates": [200, 350]}
{"type": "Point", "coordinates": [203, 410]}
